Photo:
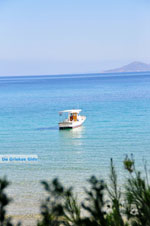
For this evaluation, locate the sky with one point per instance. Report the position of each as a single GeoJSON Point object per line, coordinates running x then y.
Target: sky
{"type": "Point", "coordinates": [43, 37]}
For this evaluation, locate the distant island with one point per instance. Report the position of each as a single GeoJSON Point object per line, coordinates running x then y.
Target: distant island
{"type": "Point", "coordinates": [132, 67]}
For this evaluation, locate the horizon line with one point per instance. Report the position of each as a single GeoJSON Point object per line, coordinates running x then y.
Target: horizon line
{"type": "Point", "coordinates": [90, 73]}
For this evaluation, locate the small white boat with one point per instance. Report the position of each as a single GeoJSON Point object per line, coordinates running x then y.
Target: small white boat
{"type": "Point", "coordinates": [74, 119]}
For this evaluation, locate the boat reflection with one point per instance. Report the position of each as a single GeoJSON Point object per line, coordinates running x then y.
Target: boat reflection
{"type": "Point", "coordinates": [72, 136]}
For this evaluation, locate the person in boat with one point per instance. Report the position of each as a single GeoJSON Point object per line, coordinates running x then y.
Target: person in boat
{"type": "Point", "coordinates": [71, 117]}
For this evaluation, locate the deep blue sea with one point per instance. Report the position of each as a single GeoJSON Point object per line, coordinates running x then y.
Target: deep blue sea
{"type": "Point", "coordinates": [117, 107]}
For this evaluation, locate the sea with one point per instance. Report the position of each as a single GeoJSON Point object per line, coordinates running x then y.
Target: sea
{"type": "Point", "coordinates": [117, 107]}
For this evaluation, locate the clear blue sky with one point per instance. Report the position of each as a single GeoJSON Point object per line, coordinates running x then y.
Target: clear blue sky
{"type": "Point", "coordinates": [72, 36]}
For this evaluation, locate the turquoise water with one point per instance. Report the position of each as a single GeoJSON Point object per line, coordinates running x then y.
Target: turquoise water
{"type": "Point", "coordinates": [118, 123]}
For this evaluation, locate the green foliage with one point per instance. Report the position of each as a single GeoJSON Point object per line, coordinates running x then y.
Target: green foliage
{"type": "Point", "coordinates": [137, 193]}
{"type": "Point", "coordinates": [115, 217]}
{"type": "Point", "coordinates": [61, 208]}
{"type": "Point", "coordinates": [129, 164]}
{"type": "Point", "coordinates": [52, 209]}
{"type": "Point", "coordinates": [4, 201]}
{"type": "Point", "coordinates": [96, 203]}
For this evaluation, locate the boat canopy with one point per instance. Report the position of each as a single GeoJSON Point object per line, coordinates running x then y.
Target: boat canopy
{"type": "Point", "coordinates": [71, 111]}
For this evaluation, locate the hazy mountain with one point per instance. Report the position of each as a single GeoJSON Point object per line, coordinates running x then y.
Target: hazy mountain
{"type": "Point", "coordinates": [132, 67]}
